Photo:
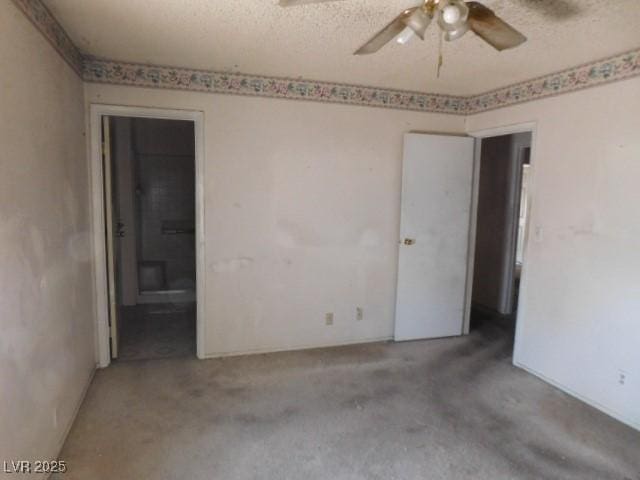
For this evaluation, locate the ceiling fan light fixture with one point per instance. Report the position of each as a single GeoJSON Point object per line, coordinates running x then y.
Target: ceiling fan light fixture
{"type": "Point", "coordinates": [451, 35]}
{"type": "Point", "coordinates": [452, 14]}
{"type": "Point", "coordinates": [418, 22]}
{"type": "Point", "coordinates": [405, 35]}
{"type": "Point", "coordinates": [454, 17]}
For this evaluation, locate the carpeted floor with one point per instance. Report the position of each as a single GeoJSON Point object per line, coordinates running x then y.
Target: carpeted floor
{"type": "Point", "coordinates": [157, 331]}
{"type": "Point", "coordinates": [452, 409]}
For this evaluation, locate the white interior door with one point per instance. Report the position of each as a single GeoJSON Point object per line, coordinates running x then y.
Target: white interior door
{"type": "Point", "coordinates": [110, 220]}
{"type": "Point", "coordinates": [437, 174]}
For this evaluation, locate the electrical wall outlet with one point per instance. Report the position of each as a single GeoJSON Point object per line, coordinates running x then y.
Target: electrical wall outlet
{"type": "Point", "coordinates": [359, 313]}
{"type": "Point", "coordinates": [328, 318]}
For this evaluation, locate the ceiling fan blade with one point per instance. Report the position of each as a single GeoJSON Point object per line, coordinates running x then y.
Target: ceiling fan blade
{"type": "Point", "coordinates": [492, 29]}
{"type": "Point", "coordinates": [294, 3]}
{"type": "Point", "coordinates": [414, 18]}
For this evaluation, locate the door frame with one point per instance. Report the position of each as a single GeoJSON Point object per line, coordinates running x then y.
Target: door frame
{"type": "Point", "coordinates": [521, 304]}
{"type": "Point", "coordinates": [97, 111]}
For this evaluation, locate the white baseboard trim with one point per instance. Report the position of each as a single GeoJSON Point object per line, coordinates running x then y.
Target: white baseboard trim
{"type": "Point", "coordinates": [76, 410]}
{"type": "Point", "coordinates": [294, 348]}
{"type": "Point", "coordinates": [618, 416]}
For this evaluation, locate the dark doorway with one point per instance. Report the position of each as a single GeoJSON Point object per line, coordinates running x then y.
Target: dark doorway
{"type": "Point", "coordinates": [153, 214]}
{"type": "Point", "coordinates": [500, 230]}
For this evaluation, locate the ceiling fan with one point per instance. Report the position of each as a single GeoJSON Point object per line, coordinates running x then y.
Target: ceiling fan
{"type": "Point", "coordinates": [454, 17]}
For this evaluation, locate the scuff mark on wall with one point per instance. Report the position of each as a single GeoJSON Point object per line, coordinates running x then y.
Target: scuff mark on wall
{"type": "Point", "coordinates": [231, 264]}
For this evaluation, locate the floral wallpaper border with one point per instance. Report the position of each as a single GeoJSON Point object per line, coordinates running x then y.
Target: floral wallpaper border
{"type": "Point", "coordinates": [618, 67]}
{"type": "Point", "coordinates": [106, 71]}
{"type": "Point", "coordinates": [44, 21]}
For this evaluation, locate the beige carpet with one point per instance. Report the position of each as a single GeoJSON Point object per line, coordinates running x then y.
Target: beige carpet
{"type": "Point", "coordinates": [449, 409]}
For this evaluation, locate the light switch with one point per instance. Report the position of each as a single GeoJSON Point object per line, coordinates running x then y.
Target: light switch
{"type": "Point", "coordinates": [328, 318]}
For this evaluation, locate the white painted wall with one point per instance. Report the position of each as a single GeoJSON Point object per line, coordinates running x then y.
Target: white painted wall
{"type": "Point", "coordinates": [47, 352]}
{"type": "Point", "coordinates": [302, 204]}
{"type": "Point", "coordinates": [579, 322]}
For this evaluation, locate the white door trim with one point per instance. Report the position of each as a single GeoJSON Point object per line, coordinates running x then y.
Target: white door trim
{"type": "Point", "coordinates": [521, 307]}
{"type": "Point", "coordinates": [97, 111]}
{"type": "Point", "coordinates": [505, 130]}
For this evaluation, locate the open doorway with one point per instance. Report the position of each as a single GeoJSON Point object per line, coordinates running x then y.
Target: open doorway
{"type": "Point", "coordinates": [501, 223]}
{"type": "Point", "coordinates": [149, 167]}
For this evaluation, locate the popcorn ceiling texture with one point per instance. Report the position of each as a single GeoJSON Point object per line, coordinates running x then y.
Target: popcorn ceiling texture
{"type": "Point", "coordinates": [534, 16]}
{"type": "Point", "coordinates": [525, 12]}
{"type": "Point", "coordinates": [316, 42]}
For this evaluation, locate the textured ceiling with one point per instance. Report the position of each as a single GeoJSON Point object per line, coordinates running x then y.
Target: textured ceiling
{"type": "Point", "coordinates": [316, 41]}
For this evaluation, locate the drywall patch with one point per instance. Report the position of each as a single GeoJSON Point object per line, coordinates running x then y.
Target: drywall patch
{"type": "Point", "coordinates": [369, 238]}
{"type": "Point", "coordinates": [231, 264]}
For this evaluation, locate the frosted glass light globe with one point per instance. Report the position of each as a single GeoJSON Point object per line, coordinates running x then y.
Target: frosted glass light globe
{"type": "Point", "coordinates": [451, 14]}
{"type": "Point", "coordinates": [406, 35]}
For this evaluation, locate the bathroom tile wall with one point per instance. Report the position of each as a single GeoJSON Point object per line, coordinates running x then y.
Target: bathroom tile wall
{"type": "Point", "coordinates": [165, 188]}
